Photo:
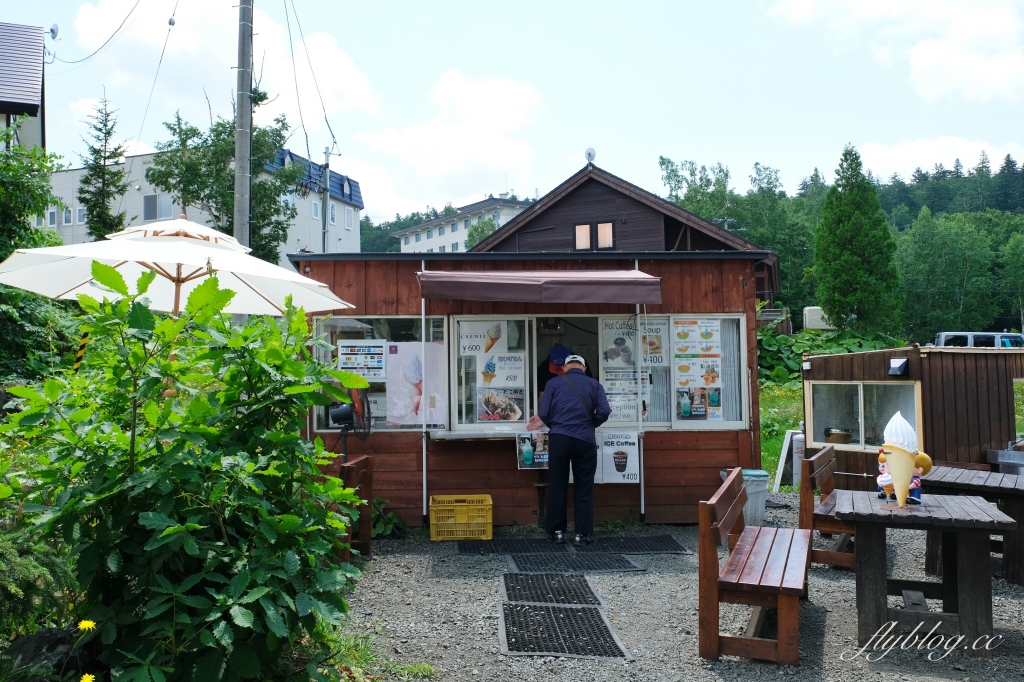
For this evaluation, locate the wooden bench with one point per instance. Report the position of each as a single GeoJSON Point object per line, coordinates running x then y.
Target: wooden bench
{"type": "Point", "coordinates": [767, 568]}
{"type": "Point", "coordinates": [817, 473]}
{"type": "Point", "coordinates": [358, 473]}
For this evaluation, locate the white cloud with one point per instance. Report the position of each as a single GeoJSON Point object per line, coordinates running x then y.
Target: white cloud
{"type": "Point", "coordinates": [475, 137]}
{"type": "Point", "coordinates": [903, 157]}
{"type": "Point", "coordinates": [971, 49]}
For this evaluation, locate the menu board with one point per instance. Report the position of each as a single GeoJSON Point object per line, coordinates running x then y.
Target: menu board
{"type": "Point", "coordinates": [619, 454]}
{"type": "Point", "coordinates": [697, 368]}
{"type": "Point", "coordinates": [619, 359]}
{"type": "Point", "coordinates": [500, 382]}
{"type": "Point", "coordinates": [364, 357]}
{"type": "Point", "coordinates": [415, 384]}
{"type": "Point", "coordinates": [655, 344]}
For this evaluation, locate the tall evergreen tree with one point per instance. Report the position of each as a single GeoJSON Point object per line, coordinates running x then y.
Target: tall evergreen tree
{"type": "Point", "coordinates": [1008, 185]}
{"type": "Point", "coordinates": [858, 284]}
{"type": "Point", "coordinates": [105, 179]}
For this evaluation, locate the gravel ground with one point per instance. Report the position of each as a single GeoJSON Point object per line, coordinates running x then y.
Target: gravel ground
{"type": "Point", "coordinates": [429, 605]}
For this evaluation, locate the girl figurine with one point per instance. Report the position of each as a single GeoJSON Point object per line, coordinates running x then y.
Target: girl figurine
{"type": "Point", "coordinates": [884, 480]}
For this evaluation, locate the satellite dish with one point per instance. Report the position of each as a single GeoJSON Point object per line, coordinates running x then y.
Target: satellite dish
{"type": "Point", "coordinates": [53, 32]}
{"type": "Point", "coordinates": [590, 155]}
{"type": "Point", "coordinates": [170, 22]}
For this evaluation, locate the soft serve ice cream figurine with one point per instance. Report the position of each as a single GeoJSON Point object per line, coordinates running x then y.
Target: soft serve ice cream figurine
{"type": "Point", "coordinates": [903, 461]}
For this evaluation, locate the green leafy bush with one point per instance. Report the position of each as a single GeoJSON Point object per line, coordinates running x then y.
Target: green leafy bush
{"type": "Point", "coordinates": [204, 532]}
{"type": "Point", "coordinates": [34, 584]}
{"type": "Point", "coordinates": [386, 523]}
{"type": "Point", "coordinates": [779, 356]}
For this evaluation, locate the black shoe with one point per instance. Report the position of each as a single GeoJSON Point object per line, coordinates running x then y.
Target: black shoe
{"type": "Point", "coordinates": [582, 539]}
{"type": "Point", "coordinates": [913, 500]}
{"type": "Point", "coordinates": [558, 537]}
{"type": "Point", "coordinates": [881, 496]}
{"type": "Point", "coordinates": [892, 496]}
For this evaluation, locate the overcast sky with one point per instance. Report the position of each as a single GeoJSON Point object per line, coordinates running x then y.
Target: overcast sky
{"type": "Point", "coordinates": [442, 101]}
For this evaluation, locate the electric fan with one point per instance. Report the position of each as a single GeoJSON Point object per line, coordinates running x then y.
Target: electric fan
{"type": "Point", "coordinates": [352, 417]}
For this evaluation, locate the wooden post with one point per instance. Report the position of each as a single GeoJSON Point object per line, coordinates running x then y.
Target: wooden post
{"type": "Point", "coordinates": [1013, 542]}
{"type": "Point", "coordinates": [872, 601]}
{"type": "Point", "coordinates": [974, 589]}
{"type": "Point", "coordinates": [707, 596]}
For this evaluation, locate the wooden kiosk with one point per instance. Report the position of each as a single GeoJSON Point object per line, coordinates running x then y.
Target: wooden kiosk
{"type": "Point", "coordinates": [661, 304]}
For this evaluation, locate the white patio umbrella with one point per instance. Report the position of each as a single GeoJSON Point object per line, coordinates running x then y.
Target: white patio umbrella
{"type": "Point", "coordinates": [182, 254]}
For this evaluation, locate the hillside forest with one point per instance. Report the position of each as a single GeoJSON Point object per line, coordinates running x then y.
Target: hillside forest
{"type": "Point", "coordinates": [959, 235]}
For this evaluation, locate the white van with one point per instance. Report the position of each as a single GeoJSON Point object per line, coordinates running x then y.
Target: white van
{"type": "Point", "coordinates": [979, 340]}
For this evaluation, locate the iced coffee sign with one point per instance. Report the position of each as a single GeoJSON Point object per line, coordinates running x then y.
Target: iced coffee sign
{"type": "Point", "coordinates": [620, 457]}
{"type": "Point", "coordinates": [697, 368]}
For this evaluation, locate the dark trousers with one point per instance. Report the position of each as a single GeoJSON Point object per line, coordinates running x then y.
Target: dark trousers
{"type": "Point", "coordinates": [564, 451]}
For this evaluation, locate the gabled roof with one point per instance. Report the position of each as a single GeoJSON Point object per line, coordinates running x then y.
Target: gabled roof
{"type": "Point", "coordinates": [337, 181]}
{"type": "Point", "coordinates": [460, 212]}
{"type": "Point", "coordinates": [21, 69]}
{"type": "Point", "coordinates": [592, 172]}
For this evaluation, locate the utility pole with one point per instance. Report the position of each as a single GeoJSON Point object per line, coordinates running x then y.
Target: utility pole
{"type": "Point", "coordinates": [243, 124]}
{"type": "Point", "coordinates": [325, 179]}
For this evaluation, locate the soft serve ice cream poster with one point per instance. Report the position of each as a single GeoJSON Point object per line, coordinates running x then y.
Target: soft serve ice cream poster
{"type": "Point", "coordinates": [697, 360]}
{"type": "Point", "coordinates": [415, 386]}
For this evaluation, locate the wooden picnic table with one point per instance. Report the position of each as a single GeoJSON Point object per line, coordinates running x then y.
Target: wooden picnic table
{"type": "Point", "coordinates": [966, 587]}
{"type": "Point", "coordinates": [1006, 488]}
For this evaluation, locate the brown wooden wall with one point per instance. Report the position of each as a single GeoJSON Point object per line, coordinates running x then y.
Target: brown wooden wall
{"type": "Point", "coordinates": [966, 399]}
{"type": "Point", "coordinates": [680, 468]}
{"type": "Point", "coordinates": [592, 201]}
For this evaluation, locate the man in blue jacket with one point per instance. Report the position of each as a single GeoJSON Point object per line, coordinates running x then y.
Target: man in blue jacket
{"type": "Point", "coordinates": [572, 406]}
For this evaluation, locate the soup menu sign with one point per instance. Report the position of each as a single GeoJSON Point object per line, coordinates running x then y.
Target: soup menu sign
{"type": "Point", "coordinates": [697, 369]}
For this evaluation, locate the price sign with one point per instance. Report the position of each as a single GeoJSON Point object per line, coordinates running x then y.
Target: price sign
{"type": "Point", "coordinates": [620, 457]}
{"type": "Point", "coordinates": [655, 344]}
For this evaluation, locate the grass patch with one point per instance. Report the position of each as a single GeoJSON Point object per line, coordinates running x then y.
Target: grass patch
{"type": "Point", "coordinates": [782, 408]}
{"type": "Point", "coordinates": [358, 658]}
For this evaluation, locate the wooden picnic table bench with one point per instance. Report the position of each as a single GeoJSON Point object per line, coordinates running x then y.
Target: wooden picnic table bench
{"type": "Point", "coordinates": [1008, 489]}
{"type": "Point", "coordinates": [966, 587]}
{"type": "Point", "coordinates": [766, 568]}
{"type": "Point", "coordinates": [817, 473]}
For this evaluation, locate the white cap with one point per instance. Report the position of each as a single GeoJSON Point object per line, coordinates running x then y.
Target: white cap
{"type": "Point", "coordinates": [576, 358]}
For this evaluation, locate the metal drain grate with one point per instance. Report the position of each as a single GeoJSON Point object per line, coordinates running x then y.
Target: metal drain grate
{"type": "Point", "coordinates": [540, 630]}
{"type": "Point", "coordinates": [570, 563]}
{"type": "Point", "coordinates": [511, 546]}
{"type": "Point", "coordinates": [655, 544]}
{"type": "Point", "coordinates": [548, 588]}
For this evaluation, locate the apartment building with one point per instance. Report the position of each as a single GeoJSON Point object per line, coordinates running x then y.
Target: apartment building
{"type": "Point", "coordinates": [145, 203]}
{"type": "Point", "coordinates": [448, 233]}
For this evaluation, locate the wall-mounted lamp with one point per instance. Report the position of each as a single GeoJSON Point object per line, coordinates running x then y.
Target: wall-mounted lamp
{"type": "Point", "coordinates": [897, 367]}
{"type": "Point", "coordinates": [305, 270]}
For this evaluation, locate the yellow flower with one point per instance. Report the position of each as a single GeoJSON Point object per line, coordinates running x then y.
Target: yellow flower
{"type": "Point", "coordinates": [88, 678]}
{"type": "Point", "coordinates": [87, 626]}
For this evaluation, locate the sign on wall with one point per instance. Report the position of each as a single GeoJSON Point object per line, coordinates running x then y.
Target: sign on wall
{"type": "Point", "coordinates": [619, 453]}
{"type": "Point", "coordinates": [697, 369]}
{"type": "Point", "coordinates": [415, 384]}
{"type": "Point", "coordinates": [365, 357]}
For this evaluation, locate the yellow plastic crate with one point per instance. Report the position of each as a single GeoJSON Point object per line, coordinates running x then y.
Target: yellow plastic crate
{"type": "Point", "coordinates": [461, 517]}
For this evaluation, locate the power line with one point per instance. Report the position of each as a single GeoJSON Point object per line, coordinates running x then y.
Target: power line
{"type": "Point", "coordinates": [105, 42]}
{"type": "Point", "coordinates": [298, 100]}
{"type": "Point", "coordinates": [305, 48]}
{"type": "Point", "coordinates": [150, 100]}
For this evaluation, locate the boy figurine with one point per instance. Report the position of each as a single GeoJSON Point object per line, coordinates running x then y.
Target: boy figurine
{"type": "Point", "coordinates": [884, 479]}
{"type": "Point", "coordinates": [915, 486]}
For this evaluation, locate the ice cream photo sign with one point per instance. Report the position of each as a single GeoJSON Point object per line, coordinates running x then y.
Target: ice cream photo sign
{"type": "Point", "coordinates": [901, 465]}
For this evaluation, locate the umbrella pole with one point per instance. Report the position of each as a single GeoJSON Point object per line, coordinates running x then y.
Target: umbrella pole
{"type": "Point", "coordinates": [177, 292]}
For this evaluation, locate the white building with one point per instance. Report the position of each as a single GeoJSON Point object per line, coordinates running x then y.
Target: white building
{"type": "Point", "coordinates": [144, 203]}
{"type": "Point", "coordinates": [448, 233]}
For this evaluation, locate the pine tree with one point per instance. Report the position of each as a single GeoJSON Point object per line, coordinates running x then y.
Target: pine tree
{"type": "Point", "coordinates": [1008, 185]}
{"type": "Point", "coordinates": [958, 169]}
{"type": "Point", "coordinates": [105, 178]}
{"type": "Point", "coordinates": [854, 251]}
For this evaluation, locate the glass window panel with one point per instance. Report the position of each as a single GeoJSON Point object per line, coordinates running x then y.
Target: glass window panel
{"type": "Point", "coordinates": [984, 341]}
{"type": "Point", "coordinates": [1012, 341]}
{"type": "Point", "coordinates": [81, 216]}
{"type": "Point", "coordinates": [455, 227]}
{"type": "Point", "coordinates": [835, 413]}
{"type": "Point", "coordinates": [491, 373]}
{"type": "Point", "coordinates": [455, 246]}
{"type": "Point", "coordinates": [333, 213]}
{"type": "Point", "coordinates": [51, 218]}
{"type": "Point", "coordinates": [440, 231]}
{"type": "Point", "coordinates": [582, 237]}
{"type": "Point", "coordinates": [165, 207]}
{"type": "Point", "coordinates": [957, 341]}
{"type": "Point", "coordinates": [316, 209]}
{"type": "Point", "coordinates": [604, 236]}
{"type": "Point", "coordinates": [707, 369]}
{"type": "Point", "coordinates": [414, 385]}
{"type": "Point", "coordinates": [67, 216]}
{"type": "Point", "coordinates": [349, 217]}
{"type": "Point", "coordinates": [149, 207]}
{"type": "Point", "coordinates": [430, 234]}
{"type": "Point", "coordinates": [881, 402]}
